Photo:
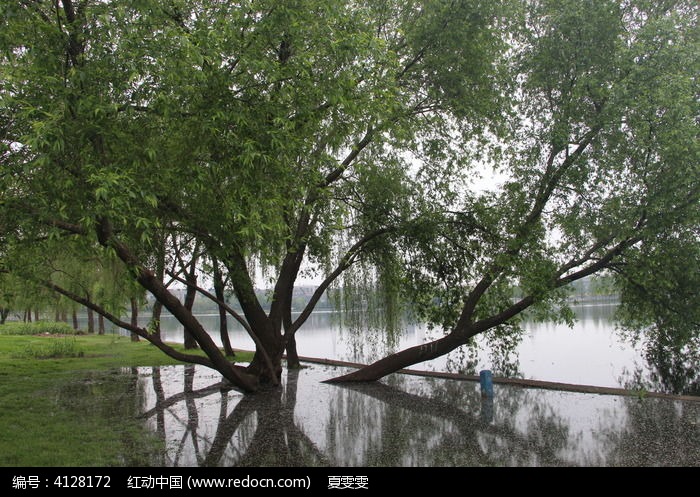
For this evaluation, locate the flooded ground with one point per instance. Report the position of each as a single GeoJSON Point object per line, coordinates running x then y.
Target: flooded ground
{"type": "Point", "coordinates": [405, 421]}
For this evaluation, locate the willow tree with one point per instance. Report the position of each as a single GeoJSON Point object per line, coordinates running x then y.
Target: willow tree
{"type": "Point", "coordinates": [347, 134]}
{"type": "Point", "coordinates": [276, 134]}
{"type": "Point", "coordinates": [602, 175]}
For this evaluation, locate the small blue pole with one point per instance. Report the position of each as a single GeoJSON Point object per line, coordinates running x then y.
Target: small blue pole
{"type": "Point", "coordinates": [486, 381]}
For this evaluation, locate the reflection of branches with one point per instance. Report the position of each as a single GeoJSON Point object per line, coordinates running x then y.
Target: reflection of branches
{"type": "Point", "coordinates": [426, 422]}
{"type": "Point", "coordinates": [160, 398]}
{"type": "Point", "coordinates": [160, 407]}
{"type": "Point", "coordinates": [276, 440]}
{"type": "Point", "coordinates": [192, 415]}
{"type": "Point", "coordinates": [487, 441]}
{"type": "Point", "coordinates": [657, 433]}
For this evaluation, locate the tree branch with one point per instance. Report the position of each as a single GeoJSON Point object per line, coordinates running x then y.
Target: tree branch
{"type": "Point", "coordinates": [147, 280]}
{"type": "Point", "coordinates": [213, 298]}
{"type": "Point", "coordinates": [585, 257]}
{"type": "Point", "coordinates": [237, 317]}
{"type": "Point", "coordinates": [345, 262]}
{"type": "Point", "coordinates": [524, 303]}
{"type": "Point", "coordinates": [175, 354]}
{"type": "Point", "coordinates": [549, 183]}
{"type": "Point", "coordinates": [359, 147]}
{"type": "Point", "coordinates": [66, 226]}
{"type": "Point", "coordinates": [35, 6]}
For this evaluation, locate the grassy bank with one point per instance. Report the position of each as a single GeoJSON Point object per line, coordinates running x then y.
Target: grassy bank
{"type": "Point", "coordinates": [65, 401]}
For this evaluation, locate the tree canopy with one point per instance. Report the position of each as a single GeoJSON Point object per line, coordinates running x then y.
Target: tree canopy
{"type": "Point", "coordinates": [345, 138]}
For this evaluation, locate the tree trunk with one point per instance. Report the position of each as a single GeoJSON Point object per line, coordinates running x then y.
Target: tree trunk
{"type": "Point", "coordinates": [402, 359]}
{"type": "Point", "coordinates": [3, 315]}
{"type": "Point", "coordinates": [266, 330]}
{"type": "Point", "coordinates": [64, 316]}
{"type": "Point", "coordinates": [134, 317]}
{"type": "Point", "coordinates": [155, 317]}
{"type": "Point", "coordinates": [281, 308]}
{"type": "Point", "coordinates": [272, 343]}
{"type": "Point", "coordinates": [27, 315]}
{"type": "Point", "coordinates": [148, 280]}
{"type": "Point", "coordinates": [232, 373]}
{"type": "Point", "coordinates": [157, 309]}
{"type": "Point", "coordinates": [90, 321]}
{"type": "Point", "coordinates": [292, 356]}
{"type": "Point", "coordinates": [190, 294]}
{"type": "Point", "coordinates": [223, 332]}
{"type": "Point", "coordinates": [75, 319]}
{"type": "Point", "coordinates": [259, 369]}
{"type": "Point", "coordinates": [223, 320]}
{"type": "Point", "coordinates": [100, 324]}
{"type": "Point", "coordinates": [36, 314]}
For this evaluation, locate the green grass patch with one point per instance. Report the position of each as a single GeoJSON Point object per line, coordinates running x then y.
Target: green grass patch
{"type": "Point", "coordinates": [76, 411]}
{"type": "Point", "coordinates": [37, 328]}
{"type": "Point", "coordinates": [53, 348]}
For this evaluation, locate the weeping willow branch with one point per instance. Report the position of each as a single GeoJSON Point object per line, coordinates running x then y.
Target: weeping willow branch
{"type": "Point", "coordinates": [525, 302]}
{"type": "Point", "coordinates": [347, 260]}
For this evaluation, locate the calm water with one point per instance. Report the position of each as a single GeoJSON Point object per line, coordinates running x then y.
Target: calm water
{"type": "Point", "coordinates": [405, 421]}
{"type": "Point", "coordinates": [591, 352]}
{"type": "Point", "coordinates": [415, 421]}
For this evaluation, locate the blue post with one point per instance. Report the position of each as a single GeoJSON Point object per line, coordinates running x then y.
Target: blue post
{"type": "Point", "coordinates": [486, 381]}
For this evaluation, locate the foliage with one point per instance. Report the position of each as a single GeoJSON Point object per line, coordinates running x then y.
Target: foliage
{"type": "Point", "coordinates": [345, 138]}
{"type": "Point", "coordinates": [37, 328]}
{"type": "Point", "coordinates": [602, 159]}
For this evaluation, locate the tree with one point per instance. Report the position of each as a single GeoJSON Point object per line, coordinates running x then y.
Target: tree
{"type": "Point", "coordinates": [6, 297]}
{"type": "Point", "coordinates": [219, 292]}
{"type": "Point", "coordinates": [603, 175]}
{"type": "Point", "coordinates": [266, 131]}
{"type": "Point", "coordinates": [345, 136]}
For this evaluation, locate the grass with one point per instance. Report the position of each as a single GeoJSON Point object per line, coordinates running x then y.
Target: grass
{"type": "Point", "coordinates": [37, 328]}
{"type": "Point", "coordinates": [74, 409]}
{"type": "Point", "coordinates": [58, 348]}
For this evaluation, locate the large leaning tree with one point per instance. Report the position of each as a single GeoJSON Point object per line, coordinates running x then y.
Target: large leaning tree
{"type": "Point", "coordinates": [340, 136]}
{"type": "Point", "coordinates": [602, 176]}
{"type": "Point", "coordinates": [276, 136]}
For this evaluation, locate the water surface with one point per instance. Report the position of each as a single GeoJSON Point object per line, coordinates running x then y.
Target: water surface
{"type": "Point", "coordinates": [591, 352]}
{"type": "Point", "coordinates": [407, 421]}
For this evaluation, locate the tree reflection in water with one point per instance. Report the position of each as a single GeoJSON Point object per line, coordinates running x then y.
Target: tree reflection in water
{"type": "Point", "coordinates": [408, 421]}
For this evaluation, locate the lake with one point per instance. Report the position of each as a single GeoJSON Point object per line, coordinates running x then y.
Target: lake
{"type": "Point", "coordinates": [591, 352]}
